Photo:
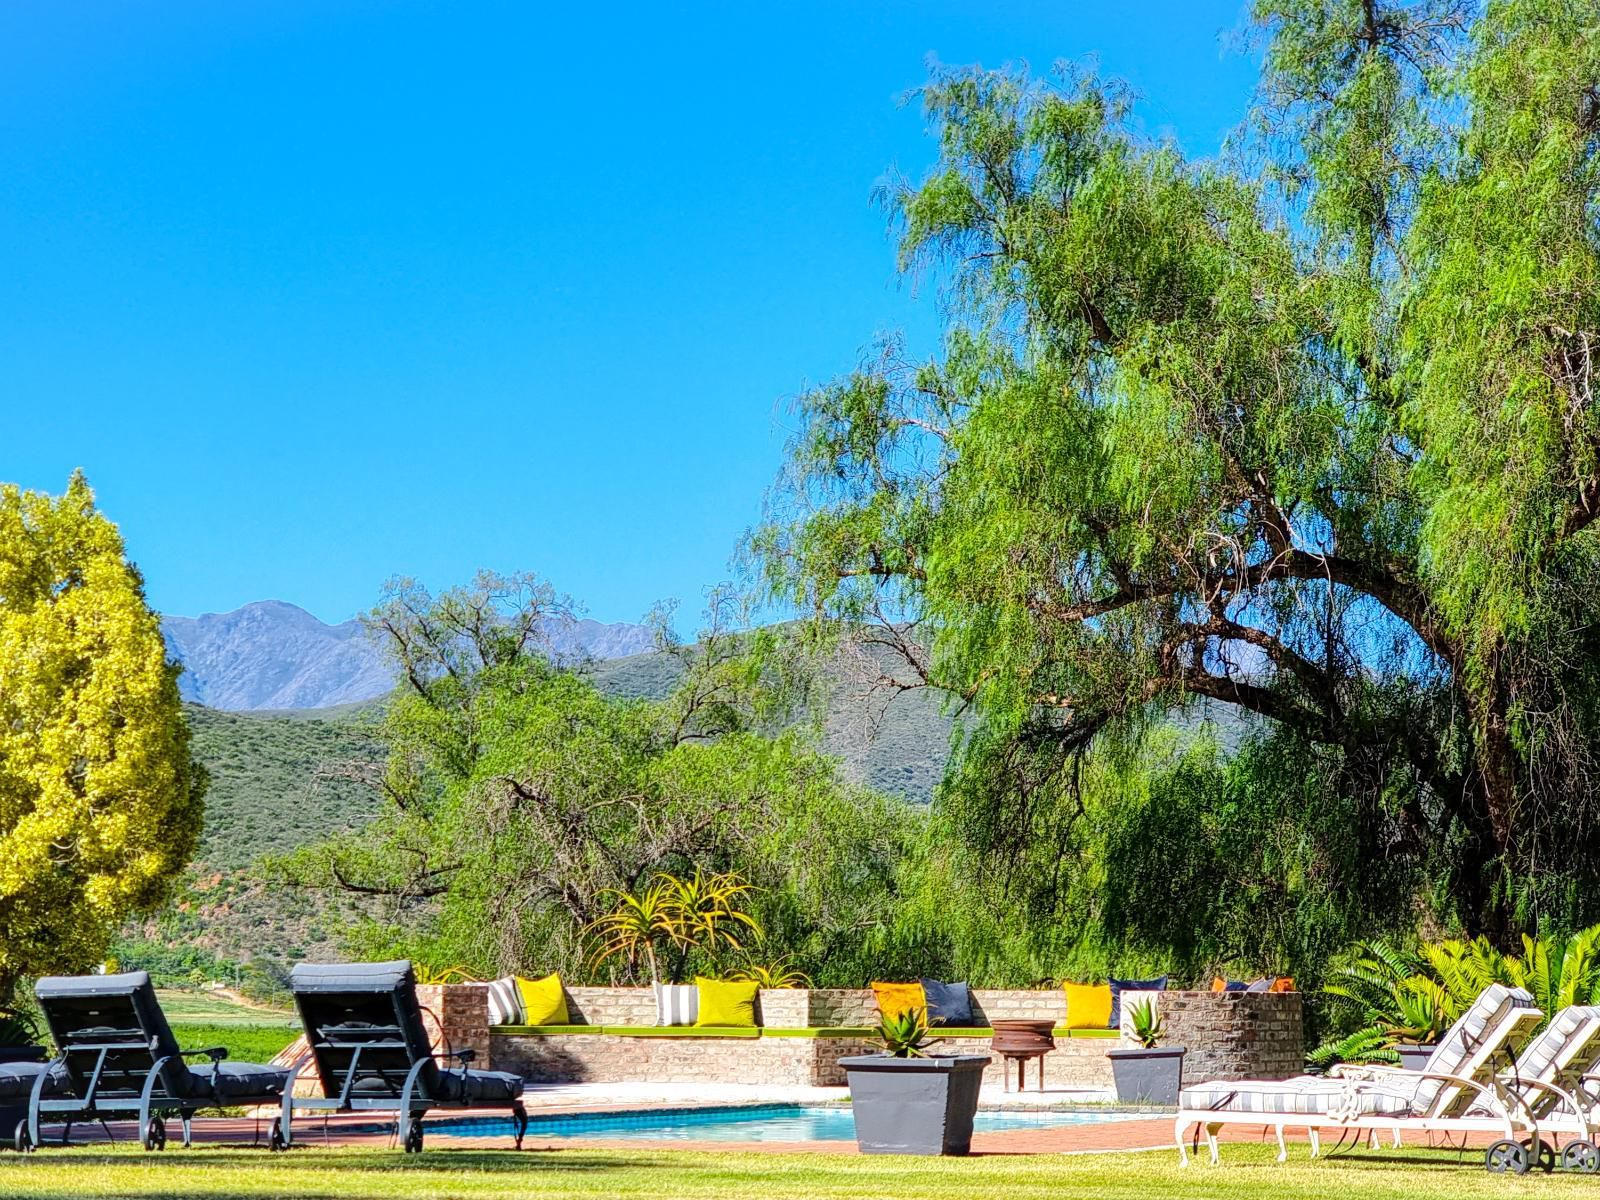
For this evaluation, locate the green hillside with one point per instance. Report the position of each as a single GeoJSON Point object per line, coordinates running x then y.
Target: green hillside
{"type": "Point", "coordinates": [279, 780]}
{"type": "Point", "coordinates": [282, 779]}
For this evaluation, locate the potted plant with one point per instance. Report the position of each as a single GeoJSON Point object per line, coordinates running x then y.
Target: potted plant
{"type": "Point", "coordinates": [906, 1101]}
{"type": "Point", "coordinates": [1148, 1073]}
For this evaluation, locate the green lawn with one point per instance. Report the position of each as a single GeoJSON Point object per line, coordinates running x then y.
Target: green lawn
{"type": "Point", "coordinates": [1248, 1172]}
{"type": "Point", "coordinates": [251, 1032]}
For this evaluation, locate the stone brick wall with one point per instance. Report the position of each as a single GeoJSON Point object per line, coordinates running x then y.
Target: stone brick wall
{"type": "Point", "coordinates": [857, 1007]}
{"type": "Point", "coordinates": [1236, 1035]}
{"type": "Point", "coordinates": [804, 1062]}
{"type": "Point", "coordinates": [611, 1006]}
{"type": "Point", "coordinates": [1228, 1035]}
{"type": "Point", "coordinates": [456, 1017]}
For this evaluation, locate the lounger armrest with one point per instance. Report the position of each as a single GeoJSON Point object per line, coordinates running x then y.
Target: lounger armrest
{"type": "Point", "coordinates": [464, 1056]}
{"type": "Point", "coordinates": [215, 1053]}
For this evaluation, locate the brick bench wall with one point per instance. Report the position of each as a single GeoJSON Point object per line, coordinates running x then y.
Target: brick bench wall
{"type": "Point", "coordinates": [1229, 1035]}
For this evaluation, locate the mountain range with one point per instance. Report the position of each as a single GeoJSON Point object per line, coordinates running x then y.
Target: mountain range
{"type": "Point", "coordinates": [274, 655]}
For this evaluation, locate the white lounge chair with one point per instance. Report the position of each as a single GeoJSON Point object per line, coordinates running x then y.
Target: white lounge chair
{"type": "Point", "coordinates": [1469, 1085]}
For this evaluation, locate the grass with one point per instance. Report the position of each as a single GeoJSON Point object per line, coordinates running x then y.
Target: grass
{"type": "Point", "coordinates": [211, 1173]}
{"type": "Point", "coordinates": [251, 1032]}
{"type": "Point", "coordinates": [245, 1043]}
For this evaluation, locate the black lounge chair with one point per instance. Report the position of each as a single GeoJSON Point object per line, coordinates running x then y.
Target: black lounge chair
{"type": "Point", "coordinates": [116, 1056]}
{"type": "Point", "coordinates": [365, 1032]}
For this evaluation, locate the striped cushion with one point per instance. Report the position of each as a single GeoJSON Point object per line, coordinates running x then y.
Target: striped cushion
{"type": "Point", "coordinates": [1538, 1059]}
{"type": "Point", "coordinates": [677, 1004]}
{"type": "Point", "coordinates": [1305, 1096]}
{"type": "Point", "coordinates": [1465, 1042]}
{"type": "Point", "coordinates": [505, 1002]}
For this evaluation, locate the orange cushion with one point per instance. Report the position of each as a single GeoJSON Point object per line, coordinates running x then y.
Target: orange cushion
{"type": "Point", "coordinates": [1282, 984]}
{"type": "Point", "coordinates": [1088, 1005]}
{"type": "Point", "coordinates": [1219, 984]}
{"type": "Point", "coordinates": [896, 998]}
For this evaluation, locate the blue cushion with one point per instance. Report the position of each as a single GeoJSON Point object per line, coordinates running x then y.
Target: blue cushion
{"type": "Point", "coordinates": [947, 1003]}
{"type": "Point", "coordinates": [1260, 985]}
{"type": "Point", "coordinates": [1118, 986]}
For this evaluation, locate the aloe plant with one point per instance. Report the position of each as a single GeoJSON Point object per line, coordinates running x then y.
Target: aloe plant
{"type": "Point", "coordinates": [1147, 1024]}
{"type": "Point", "coordinates": [675, 913]}
{"type": "Point", "coordinates": [905, 1035]}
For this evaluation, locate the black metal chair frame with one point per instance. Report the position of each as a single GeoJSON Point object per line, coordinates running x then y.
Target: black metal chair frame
{"type": "Point", "coordinates": [149, 1106]}
{"type": "Point", "coordinates": [409, 1107]}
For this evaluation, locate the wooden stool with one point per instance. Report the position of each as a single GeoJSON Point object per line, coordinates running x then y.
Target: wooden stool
{"type": "Point", "coordinates": [1018, 1041]}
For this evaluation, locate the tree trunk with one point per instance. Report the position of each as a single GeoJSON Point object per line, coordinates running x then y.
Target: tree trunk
{"type": "Point", "coordinates": [1491, 800]}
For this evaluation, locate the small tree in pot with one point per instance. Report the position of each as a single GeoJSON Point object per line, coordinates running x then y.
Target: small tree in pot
{"type": "Point", "coordinates": [906, 1101]}
{"type": "Point", "coordinates": [1149, 1073]}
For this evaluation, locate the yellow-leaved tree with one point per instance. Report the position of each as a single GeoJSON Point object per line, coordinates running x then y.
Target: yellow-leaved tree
{"type": "Point", "coordinates": [100, 801]}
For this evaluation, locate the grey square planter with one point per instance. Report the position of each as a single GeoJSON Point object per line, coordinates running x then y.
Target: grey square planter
{"type": "Point", "coordinates": [1147, 1076]}
{"type": "Point", "coordinates": [914, 1105]}
{"type": "Point", "coordinates": [1414, 1058]}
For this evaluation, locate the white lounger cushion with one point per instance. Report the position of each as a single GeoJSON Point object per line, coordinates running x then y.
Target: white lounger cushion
{"type": "Point", "coordinates": [1306, 1096]}
{"type": "Point", "coordinates": [1309, 1095]}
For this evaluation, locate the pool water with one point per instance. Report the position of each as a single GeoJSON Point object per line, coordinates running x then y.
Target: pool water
{"type": "Point", "coordinates": [745, 1123]}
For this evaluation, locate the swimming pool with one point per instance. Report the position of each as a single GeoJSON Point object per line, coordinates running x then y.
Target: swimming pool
{"type": "Point", "coordinates": [746, 1123]}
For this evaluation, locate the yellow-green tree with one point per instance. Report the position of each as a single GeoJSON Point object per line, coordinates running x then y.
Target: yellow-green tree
{"type": "Point", "coordinates": [100, 802]}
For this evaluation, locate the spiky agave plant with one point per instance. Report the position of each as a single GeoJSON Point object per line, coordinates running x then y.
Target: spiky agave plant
{"type": "Point", "coordinates": [905, 1034]}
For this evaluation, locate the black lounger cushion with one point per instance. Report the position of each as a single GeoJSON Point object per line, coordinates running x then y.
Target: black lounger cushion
{"type": "Point", "coordinates": [482, 1087]}
{"type": "Point", "coordinates": [17, 1078]}
{"type": "Point", "coordinates": [350, 977]}
{"type": "Point", "coordinates": [241, 1082]}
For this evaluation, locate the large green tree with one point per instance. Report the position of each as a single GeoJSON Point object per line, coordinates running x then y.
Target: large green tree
{"type": "Point", "coordinates": [520, 796]}
{"type": "Point", "coordinates": [1310, 431]}
{"type": "Point", "coordinates": [100, 802]}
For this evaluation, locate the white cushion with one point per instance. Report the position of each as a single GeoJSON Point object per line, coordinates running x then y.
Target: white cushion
{"type": "Point", "coordinates": [677, 1004]}
{"type": "Point", "coordinates": [505, 1002]}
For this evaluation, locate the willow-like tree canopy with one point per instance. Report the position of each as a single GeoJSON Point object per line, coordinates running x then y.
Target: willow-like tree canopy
{"type": "Point", "coordinates": [1309, 430]}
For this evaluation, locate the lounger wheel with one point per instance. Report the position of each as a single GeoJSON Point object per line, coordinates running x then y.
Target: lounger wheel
{"type": "Point", "coordinates": [1506, 1157]}
{"type": "Point", "coordinates": [413, 1142]}
{"type": "Point", "coordinates": [155, 1134]}
{"type": "Point", "coordinates": [1581, 1156]}
{"type": "Point", "coordinates": [22, 1140]}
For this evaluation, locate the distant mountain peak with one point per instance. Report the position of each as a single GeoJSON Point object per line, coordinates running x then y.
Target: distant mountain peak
{"type": "Point", "coordinates": [271, 654]}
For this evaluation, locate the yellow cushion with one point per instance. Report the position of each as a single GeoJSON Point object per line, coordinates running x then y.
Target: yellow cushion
{"type": "Point", "coordinates": [896, 998]}
{"type": "Point", "coordinates": [731, 1004]}
{"type": "Point", "coordinates": [1088, 1005]}
{"type": "Point", "coordinates": [543, 1001]}
{"type": "Point", "coordinates": [1282, 984]}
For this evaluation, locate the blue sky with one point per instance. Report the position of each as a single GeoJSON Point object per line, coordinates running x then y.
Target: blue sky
{"type": "Point", "coordinates": [321, 293]}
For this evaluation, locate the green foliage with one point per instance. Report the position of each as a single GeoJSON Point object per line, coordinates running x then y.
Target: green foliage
{"type": "Point", "coordinates": [1394, 995]}
{"type": "Point", "coordinates": [100, 801]}
{"type": "Point", "coordinates": [1318, 441]}
{"type": "Point", "coordinates": [18, 1027]}
{"type": "Point", "coordinates": [524, 800]}
{"type": "Point", "coordinates": [905, 1034]}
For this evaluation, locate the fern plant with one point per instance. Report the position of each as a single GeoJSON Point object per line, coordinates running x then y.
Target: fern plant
{"type": "Point", "coordinates": [1405, 996]}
